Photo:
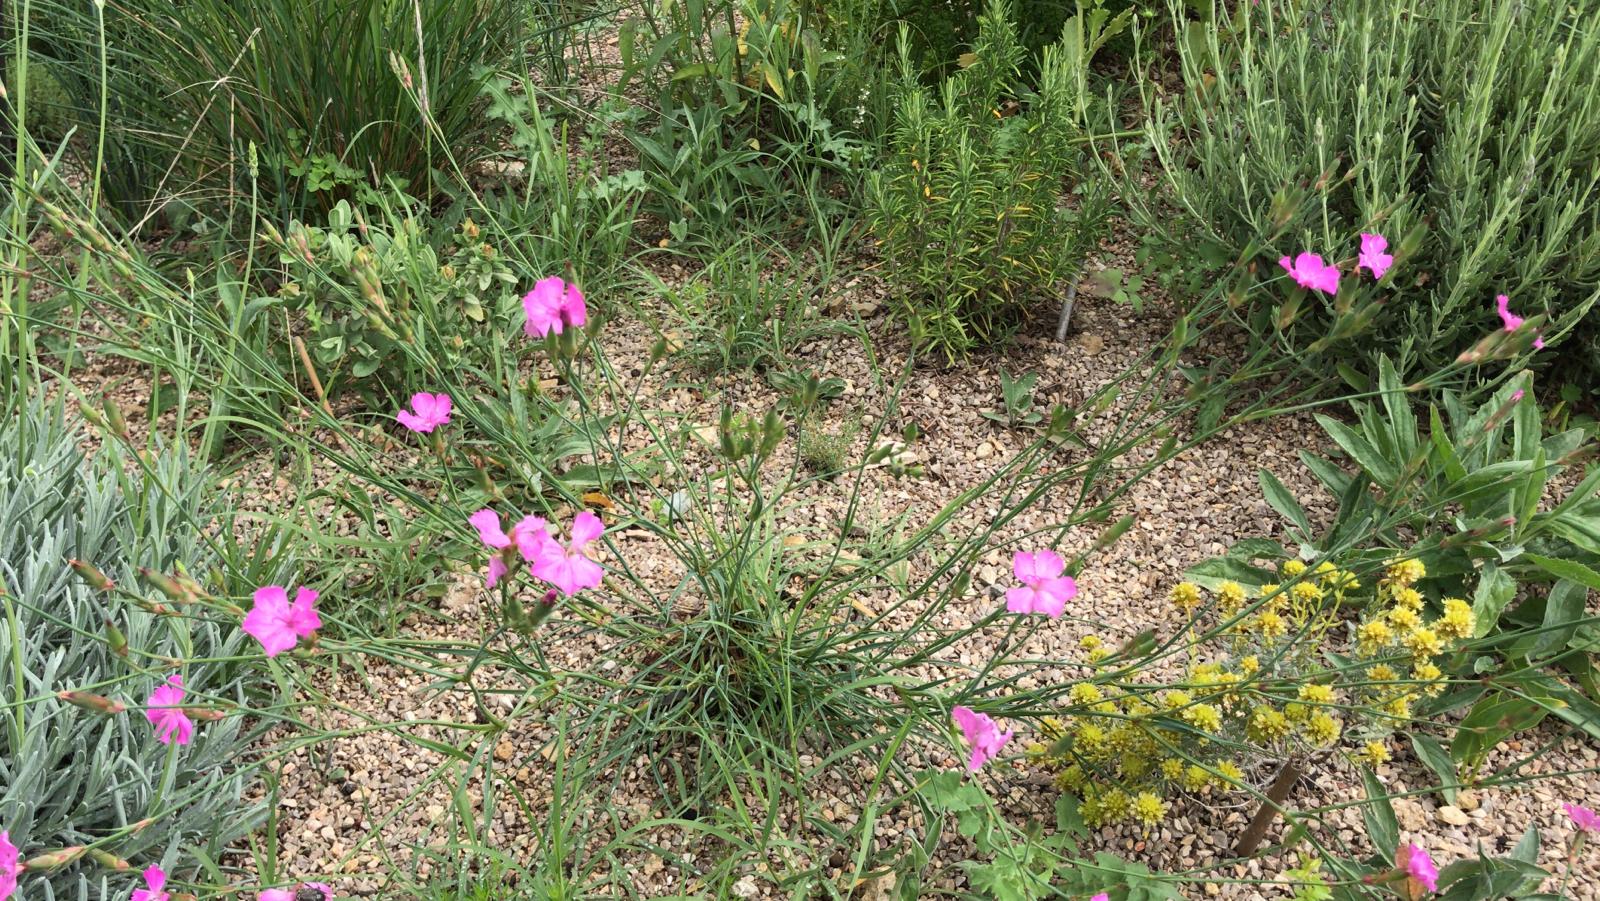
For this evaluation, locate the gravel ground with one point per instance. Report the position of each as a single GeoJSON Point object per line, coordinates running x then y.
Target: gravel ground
{"type": "Point", "coordinates": [370, 803]}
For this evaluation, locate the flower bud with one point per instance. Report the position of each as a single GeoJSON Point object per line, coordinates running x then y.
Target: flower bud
{"type": "Point", "coordinates": [108, 860]}
{"type": "Point", "coordinates": [115, 638]}
{"type": "Point", "coordinates": [119, 425]}
{"type": "Point", "coordinates": [96, 579]}
{"type": "Point", "coordinates": [96, 703]}
{"type": "Point", "coordinates": [54, 859]}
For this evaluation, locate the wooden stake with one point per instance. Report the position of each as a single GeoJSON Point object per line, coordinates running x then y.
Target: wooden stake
{"type": "Point", "coordinates": [1268, 811]}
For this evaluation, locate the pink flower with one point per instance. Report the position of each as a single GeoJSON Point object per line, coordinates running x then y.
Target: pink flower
{"type": "Point", "coordinates": [165, 712]}
{"type": "Point", "coordinates": [1417, 865]}
{"type": "Point", "coordinates": [431, 411]}
{"type": "Point", "coordinates": [553, 305]}
{"type": "Point", "coordinates": [1044, 589]}
{"type": "Point", "coordinates": [1103, 896]}
{"type": "Point", "coordinates": [529, 536]}
{"type": "Point", "coordinates": [279, 625]}
{"type": "Point", "coordinates": [8, 866]}
{"type": "Point", "coordinates": [981, 733]}
{"type": "Point", "coordinates": [275, 894]}
{"type": "Point", "coordinates": [156, 879]}
{"type": "Point", "coordinates": [1309, 271]}
{"type": "Point", "coordinates": [1372, 256]}
{"type": "Point", "coordinates": [1582, 817]}
{"type": "Point", "coordinates": [568, 567]}
{"type": "Point", "coordinates": [324, 888]}
{"type": "Point", "coordinates": [1512, 321]}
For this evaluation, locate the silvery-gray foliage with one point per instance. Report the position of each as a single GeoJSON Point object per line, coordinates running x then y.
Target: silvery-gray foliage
{"type": "Point", "coordinates": [69, 776]}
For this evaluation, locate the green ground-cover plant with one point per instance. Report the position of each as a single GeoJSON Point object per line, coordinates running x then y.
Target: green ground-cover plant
{"type": "Point", "coordinates": [91, 773]}
{"type": "Point", "coordinates": [1467, 133]}
{"type": "Point", "coordinates": [967, 205]}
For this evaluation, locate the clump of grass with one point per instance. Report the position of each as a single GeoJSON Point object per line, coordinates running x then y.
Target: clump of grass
{"type": "Point", "coordinates": [826, 452]}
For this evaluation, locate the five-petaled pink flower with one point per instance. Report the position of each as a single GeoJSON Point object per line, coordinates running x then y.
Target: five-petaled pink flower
{"type": "Point", "coordinates": [428, 412]}
{"type": "Point", "coordinates": [981, 733]}
{"type": "Point", "coordinates": [528, 536]}
{"type": "Point", "coordinates": [1309, 271]}
{"type": "Point", "coordinates": [8, 866]}
{"type": "Point", "coordinates": [1582, 817]}
{"type": "Point", "coordinates": [156, 879]}
{"type": "Point", "coordinates": [165, 712]}
{"type": "Point", "coordinates": [278, 624]}
{"type": "Point", "coordinates": [553, 305]}
{"type": "Point", "coordinates": [1372, 256]}
{"type": "Point", "coordinates": [1044, 589]}
{"type": "Point", "coordinates": [1416, 864]}
{"type": "Point", "coordinates": [1104, 896]}
{"type": "Point", "coordinates": [1511, 321]}
{"type": "Point", "coordinates": [567, 567]}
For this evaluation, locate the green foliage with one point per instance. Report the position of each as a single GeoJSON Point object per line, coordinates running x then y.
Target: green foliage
{"type": "Point", "coordinates": [1016, 396]}
{"type": "Point", "coordinates": [1466, 132]}
{"type": "Point", "coordinates": [826, 452]}
{"type": "Point", "coordinates": [966, 206]}
{"type": "Point", "coordinates": [364, 288]}
{"type": "Point", "coordinates": [73, 776]}
{"type": "Point", "coordinates": [1465, 494]}
{"type": "Point", "coordinates": [384, 89]}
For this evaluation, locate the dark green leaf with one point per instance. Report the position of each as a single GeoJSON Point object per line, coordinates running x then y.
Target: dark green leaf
{"type": "Point", "coordinates": [1378, 813]}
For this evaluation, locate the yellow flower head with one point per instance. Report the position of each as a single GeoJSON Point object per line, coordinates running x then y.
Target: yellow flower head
{"type": "Point", "coordinates": [1230, 595]}
{"type": "Point", "coordinates": [1099, 654]}
{"type": "Point", "coordinates": [1070, 779]}
{"type": "Point", "coordinates": [1306, 592]}
{"type": "Point", "coordinates": [1424, 642]}
{"type": "Point", "coordinates": [1267, 725]}
{"type": "Point", "coordinates": [1374, 636]}
{"type": "Point", "coordinates": [1457, 621]}
{"type": "Point", "coordinates": [1321, 729]}
{"type": "Point", "coordinates": [1398, 708]}
{"type": "Point", "coordinates": [1271, 624]}
{"type": "Point", "coordinates": [1148, 808]}
{"type": "Point", "coordinates": [1250, 665]}
{"type": "Point", "coordinates": [1186, 596]}
{"type": "Point", "coordinates": [1090, 642]}
{"type": "Point", "coordinates": [1195, 778]}
{"type": "Point", "coordinates": [1409, 598]}
{"type": "Point", "coordinates": [1325, 570]}
{"type": "Point", "coordinates": [1406, 572]}
{"type": "Point", "coordinates": [1431, 674]}
{"type": "Point", "coordinates": [1203, 717]}
{"type": "Point", "coordinates": [1312, 693]}
{"type": "Point", "coordinates": [1052, 728]}
{"type": "Point", "coordinates": [1172, 769]}
{"type": "Point", "coordinates": [1228, 773]}
{"type": "Point", "coordinates": [1293, 568]}
{"type": "Point", "coordinates": [1175, 698]}
{"type": "Point", "coordinates": [1382, 672]}
{"type": "Point", "coordinates": [1374, 753]}
{"type": "Point", "coordinates": [1403, 619]}
{"type": "Point", "coordinates": [1085, 693]}
{"type": "Point", "coordinates": [1134, 765]}
{"type": "Point", "coordinates": [1091, 738]}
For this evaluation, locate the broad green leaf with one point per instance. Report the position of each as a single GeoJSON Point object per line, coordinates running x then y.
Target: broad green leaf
{"type": "Point", "coordinates": [1563, 612]}
{"type": "Point", "coordinates": [1382, 826]}
{"type": "Point", "coordinates": [1443, 448]}
{"type": "Point", "coordinates": [1282, 500]}
{"type": "Point", "coordinates": [1495, 591]}
{"type": "Point", "coordinates": [1570, 570]}
{"type": "Point", "coordinates": [1212, 573]}
{"type": "Point", "coordinates": [1432, 752]}
{"type": "Point", "coordinates": [1382, 471]}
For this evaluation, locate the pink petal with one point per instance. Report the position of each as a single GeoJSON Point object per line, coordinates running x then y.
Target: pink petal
{"type": "Point", "coordinates": [530, 537]}
{"type": "Point", "coordinates": [275, 894]}
{"type": "Point", "coordinates": [497, 568]}
{"type": "Point", "coordinates": [1054, 595]}
{"type": "Point", "coordinates": [1021, 599]}
{"type": "Point", "coordinates": [1510, 320]}
{"type": "Point", "coordinates": [487, 522]}
{"type": "Point", "coordinates": [155, 877]}
{"type": "Point", "coordinates": [586, 527]}
{"type": "Point", "coordinates": [413, 422]}
{"type": "Point", "coordinates": [303, 619]}
{"type": "Point", "coordinates": [573, 310]}
{"type": "Point", "coordinates": [969, 721]}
